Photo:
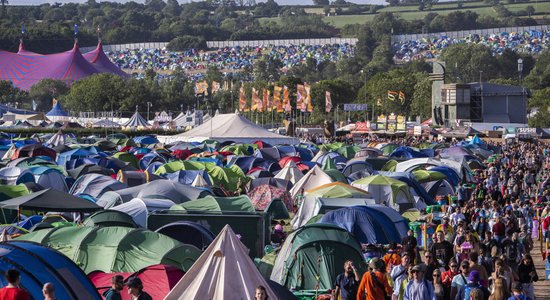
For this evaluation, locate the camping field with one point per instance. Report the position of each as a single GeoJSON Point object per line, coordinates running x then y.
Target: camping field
{"type": "Point", "coordinates": [411, 12]}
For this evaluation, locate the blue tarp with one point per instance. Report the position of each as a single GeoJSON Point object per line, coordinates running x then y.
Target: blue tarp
{"type": "Point", "coordinates": [39, 264]}
{"type": "Point", "coordinates": [57, 111]}
{"type": "Point", "coordinates": [374, 224]}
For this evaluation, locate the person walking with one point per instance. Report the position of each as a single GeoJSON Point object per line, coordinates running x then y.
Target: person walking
{"type": "Point", "coordinates": [419, 287]}
{"type": "Point", "coordinates": [135, 289]}
{"type": "Point", "coordinates": [346, 284]}
{"type": "Point", "coordinates": [374, 284]}
{"type": "Point", "coordinates": [400, 273]}
{"type": "Point", "coordinates": [527, 274]}
{"type": "Point", "coordinates": [117, 284]}
{"type": "Point", "coordinates": [13, 291]}
{"type": "Point", "coordinates": [48, 290]}
{"type": "Point", "coordinates": [473, 284]}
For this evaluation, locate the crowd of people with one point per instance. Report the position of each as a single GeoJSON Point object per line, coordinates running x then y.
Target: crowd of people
{"type": "Point", "coordinates": [481, 245]}
{"type": "Point", "coordinates": [529, 42]}
{"type": "Point", "coordinates": [228, 59]}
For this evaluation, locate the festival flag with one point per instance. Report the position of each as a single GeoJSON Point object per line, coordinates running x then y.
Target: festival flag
{"type": "Point", "coordinates": [215, 87]}
{"type": "Point", "coordinates": [54, 102]}
{"type": "Point", "coordinates": [391, 95]}
{"type": "Point", "coordinates": [286, 100]}
{"type": "Point", "coordinates": [256, 102]}
{"type": "Point", "coordinates": [328, 102]}
{"type": "Point", "coordinates": [277, 103]}
{"type": "Point", "coordinates": [205, 87]}
{"type": "Point", "coordinates": [242, 100]}
{"type": "Point", "coordinates": [226, 86]}
{"type": "Point", "coordinates": [402, 97]}
{"type": "Point", "coordinates": [201, 87]}
{"type": "Point", "coordinates": [268, 104]}
{"type": "Point", "coordinates": [300, 97]}
{"type": "Point", "coordinates": [309, 105]}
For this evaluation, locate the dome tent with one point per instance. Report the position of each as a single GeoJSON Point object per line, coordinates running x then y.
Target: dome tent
{"type": "Point", "coordinates": [115, 249]}
{"type": "Point", "coordinates": [38, 265]}
{"type": "Point", "coordinates": [316, 251]}
{"type": "Point", "coordinates": [385, 190]}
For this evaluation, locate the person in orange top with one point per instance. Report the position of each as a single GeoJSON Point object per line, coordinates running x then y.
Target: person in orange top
{"type": "Point", "coordinates": [392, 258]}
{"type": "Point", "coordinates": [374, 284]}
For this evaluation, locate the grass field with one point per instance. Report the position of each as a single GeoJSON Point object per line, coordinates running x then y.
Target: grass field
{"type": "Point", "coordinates": [409, 13]}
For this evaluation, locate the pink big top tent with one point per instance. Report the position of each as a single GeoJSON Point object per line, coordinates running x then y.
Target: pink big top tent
{"type": "Point", "coordinates": [26, 68]}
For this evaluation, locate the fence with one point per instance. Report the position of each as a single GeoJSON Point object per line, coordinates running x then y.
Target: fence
{"type": "Point", "coordinates": [464, 33]}
{"type": "Point", "coordinates": [222, 44]}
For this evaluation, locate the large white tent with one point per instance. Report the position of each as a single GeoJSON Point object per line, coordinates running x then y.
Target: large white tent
{"type": "Point", "coordinates": [230, 127]}
{"type": "Point", "coordinates": [223, 271]}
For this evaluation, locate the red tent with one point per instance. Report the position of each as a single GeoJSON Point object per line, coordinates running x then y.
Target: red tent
{"type": "Point", "coordinates": [157, 280]}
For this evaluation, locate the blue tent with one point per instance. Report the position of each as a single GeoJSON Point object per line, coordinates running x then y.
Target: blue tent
{"type": "Point", "coordinates": [353, 166]}
{"type": "Point", "coordinates": [57, 111]}
{"type": "Point", "coordinates": [409, 179]}
{"type": "Point", "coordinates": [39, 264]}
{"type": "Point", "coordinates": [187, 232]}
{"type": "Point", "coordinates": [188, 176]}
{"type": "Point", "coordinates": [476, 141]}
{"type": "Point", "coordinates": [407, 152]}
{"type": "Point", "coordinates": [146, 140]}
{"type": "Point", "coordinates": [64, 157]}
{"type": "Point", "coordinates": [149, 158]}
{"type": "Point", "coordinates": [373, 224]}
{"type": "Point", "coordinates": [452, 177]}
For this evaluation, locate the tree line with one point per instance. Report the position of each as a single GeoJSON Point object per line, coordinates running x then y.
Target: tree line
{"type": "Point", "coordinates": [49, 27]}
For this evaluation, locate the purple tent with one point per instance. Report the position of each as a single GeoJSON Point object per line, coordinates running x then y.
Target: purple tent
{"type": "Point", "coordinates": [26, 68]}
{"type": "Point", "coordinates": [101, 62]}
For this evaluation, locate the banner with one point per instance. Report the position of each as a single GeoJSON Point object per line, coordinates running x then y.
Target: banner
{"type": "Point", "coordinates": [277, 103]}
{"type": "Point", "coordinates": [301, 97]}
{"type": "Point", "coordinates": [402, 97]}
{"type": "Point", "coordinates": [268, 105]}
{"type": "Point", "coordinates": [401, 124]}
{"type": "Point", "coordinates": [242, 100]}
{"type": "Point", "coordinates": [256, 102]}
{"type": "Point", "coordinates": [355, 107]}
{"type": "Point", "coordinates": [309, 105]}
{"type": "Point", "coordinates": [54, 102]}
{"type": "Point", "coordinates": [361, 127]}
{"type": "Point", "coordinates": [392, 95]}
{"type": "Point", "coordinates": [226, 86]}
{"type": "Point", "coordinates": [286, 99]}
{"type": "Point", "coordinates": [381, 122]}
{"type": "Point", "coordinates": [215, 87]}
{"type": "Point", "coordinates": [328, 102]}
{"type": "Point", "coordinates": [392, 122]}
{"type": "Point", "coordinates": [201, 88]}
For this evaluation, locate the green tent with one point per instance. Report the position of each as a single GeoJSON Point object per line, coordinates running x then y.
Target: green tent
{"type": "Point", "coordinates": [312, 256]}
{"type": "Point", "coordinates": [389, 166]}
{"type": "Point", "coordinates": [388, 149]}
{"type": "Point", "coordinates": [127, 157]}
{"type": "Point", "coordinates": [427, 176]}
{"type": "Point", "coordinates": [177, 165]}
{"type": "Point", "coordinates": [13, 191]}
{"type": "Point", "coordinates": [337, 190]}
{"type": "Point", "coordinates": [348, 151]}
{"type": "Point", "coordinates": [115, 249]}
{"type": "Point", "coordinates": [210, 203]}
{"type": "Point", "coordinates": [337, 176]}
{"type": "Point", "coordinates": [328, 164]}
{"type": "Point", "coordinates": [227, 178]}
{"type": "Point", "coordinates": [110, 217]}
{"type": "Point", "coordinates": [239, 149]}
{"type": "Point", "coordinates": [387, 190]}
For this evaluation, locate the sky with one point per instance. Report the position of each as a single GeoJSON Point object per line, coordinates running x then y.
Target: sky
{"type": "Point", "coordinates": [281, 2]}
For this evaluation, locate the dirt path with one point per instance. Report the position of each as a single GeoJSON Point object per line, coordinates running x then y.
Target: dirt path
{"type": "Point", "coordinates": [542, 287]}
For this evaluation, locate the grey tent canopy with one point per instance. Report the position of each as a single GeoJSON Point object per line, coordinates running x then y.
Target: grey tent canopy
{"type": "Point", "coordinates": [51, 200]}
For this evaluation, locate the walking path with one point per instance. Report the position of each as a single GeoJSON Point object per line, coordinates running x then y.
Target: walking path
{"type": "Point", "coordinates": [542, 287]}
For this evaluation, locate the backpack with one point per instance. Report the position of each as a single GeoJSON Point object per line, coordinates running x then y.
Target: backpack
{"type": "Point", "coordinates": [476, 289]}
{"type": "Point", "coordinates": [511, 250]}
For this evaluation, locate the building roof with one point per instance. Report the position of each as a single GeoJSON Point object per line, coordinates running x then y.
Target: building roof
{"type": "Point", "coordinates": [494, 88]}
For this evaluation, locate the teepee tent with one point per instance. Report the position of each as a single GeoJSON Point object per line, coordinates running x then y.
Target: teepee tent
{"type": "Point", "coordinates": [230, 127]}
{"type": "Point", "coordinates": [290, 172]}
{"type": "Point", "coordinates": [223, 271]}
{"type": "Point", "coordinates": [314, 178]}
